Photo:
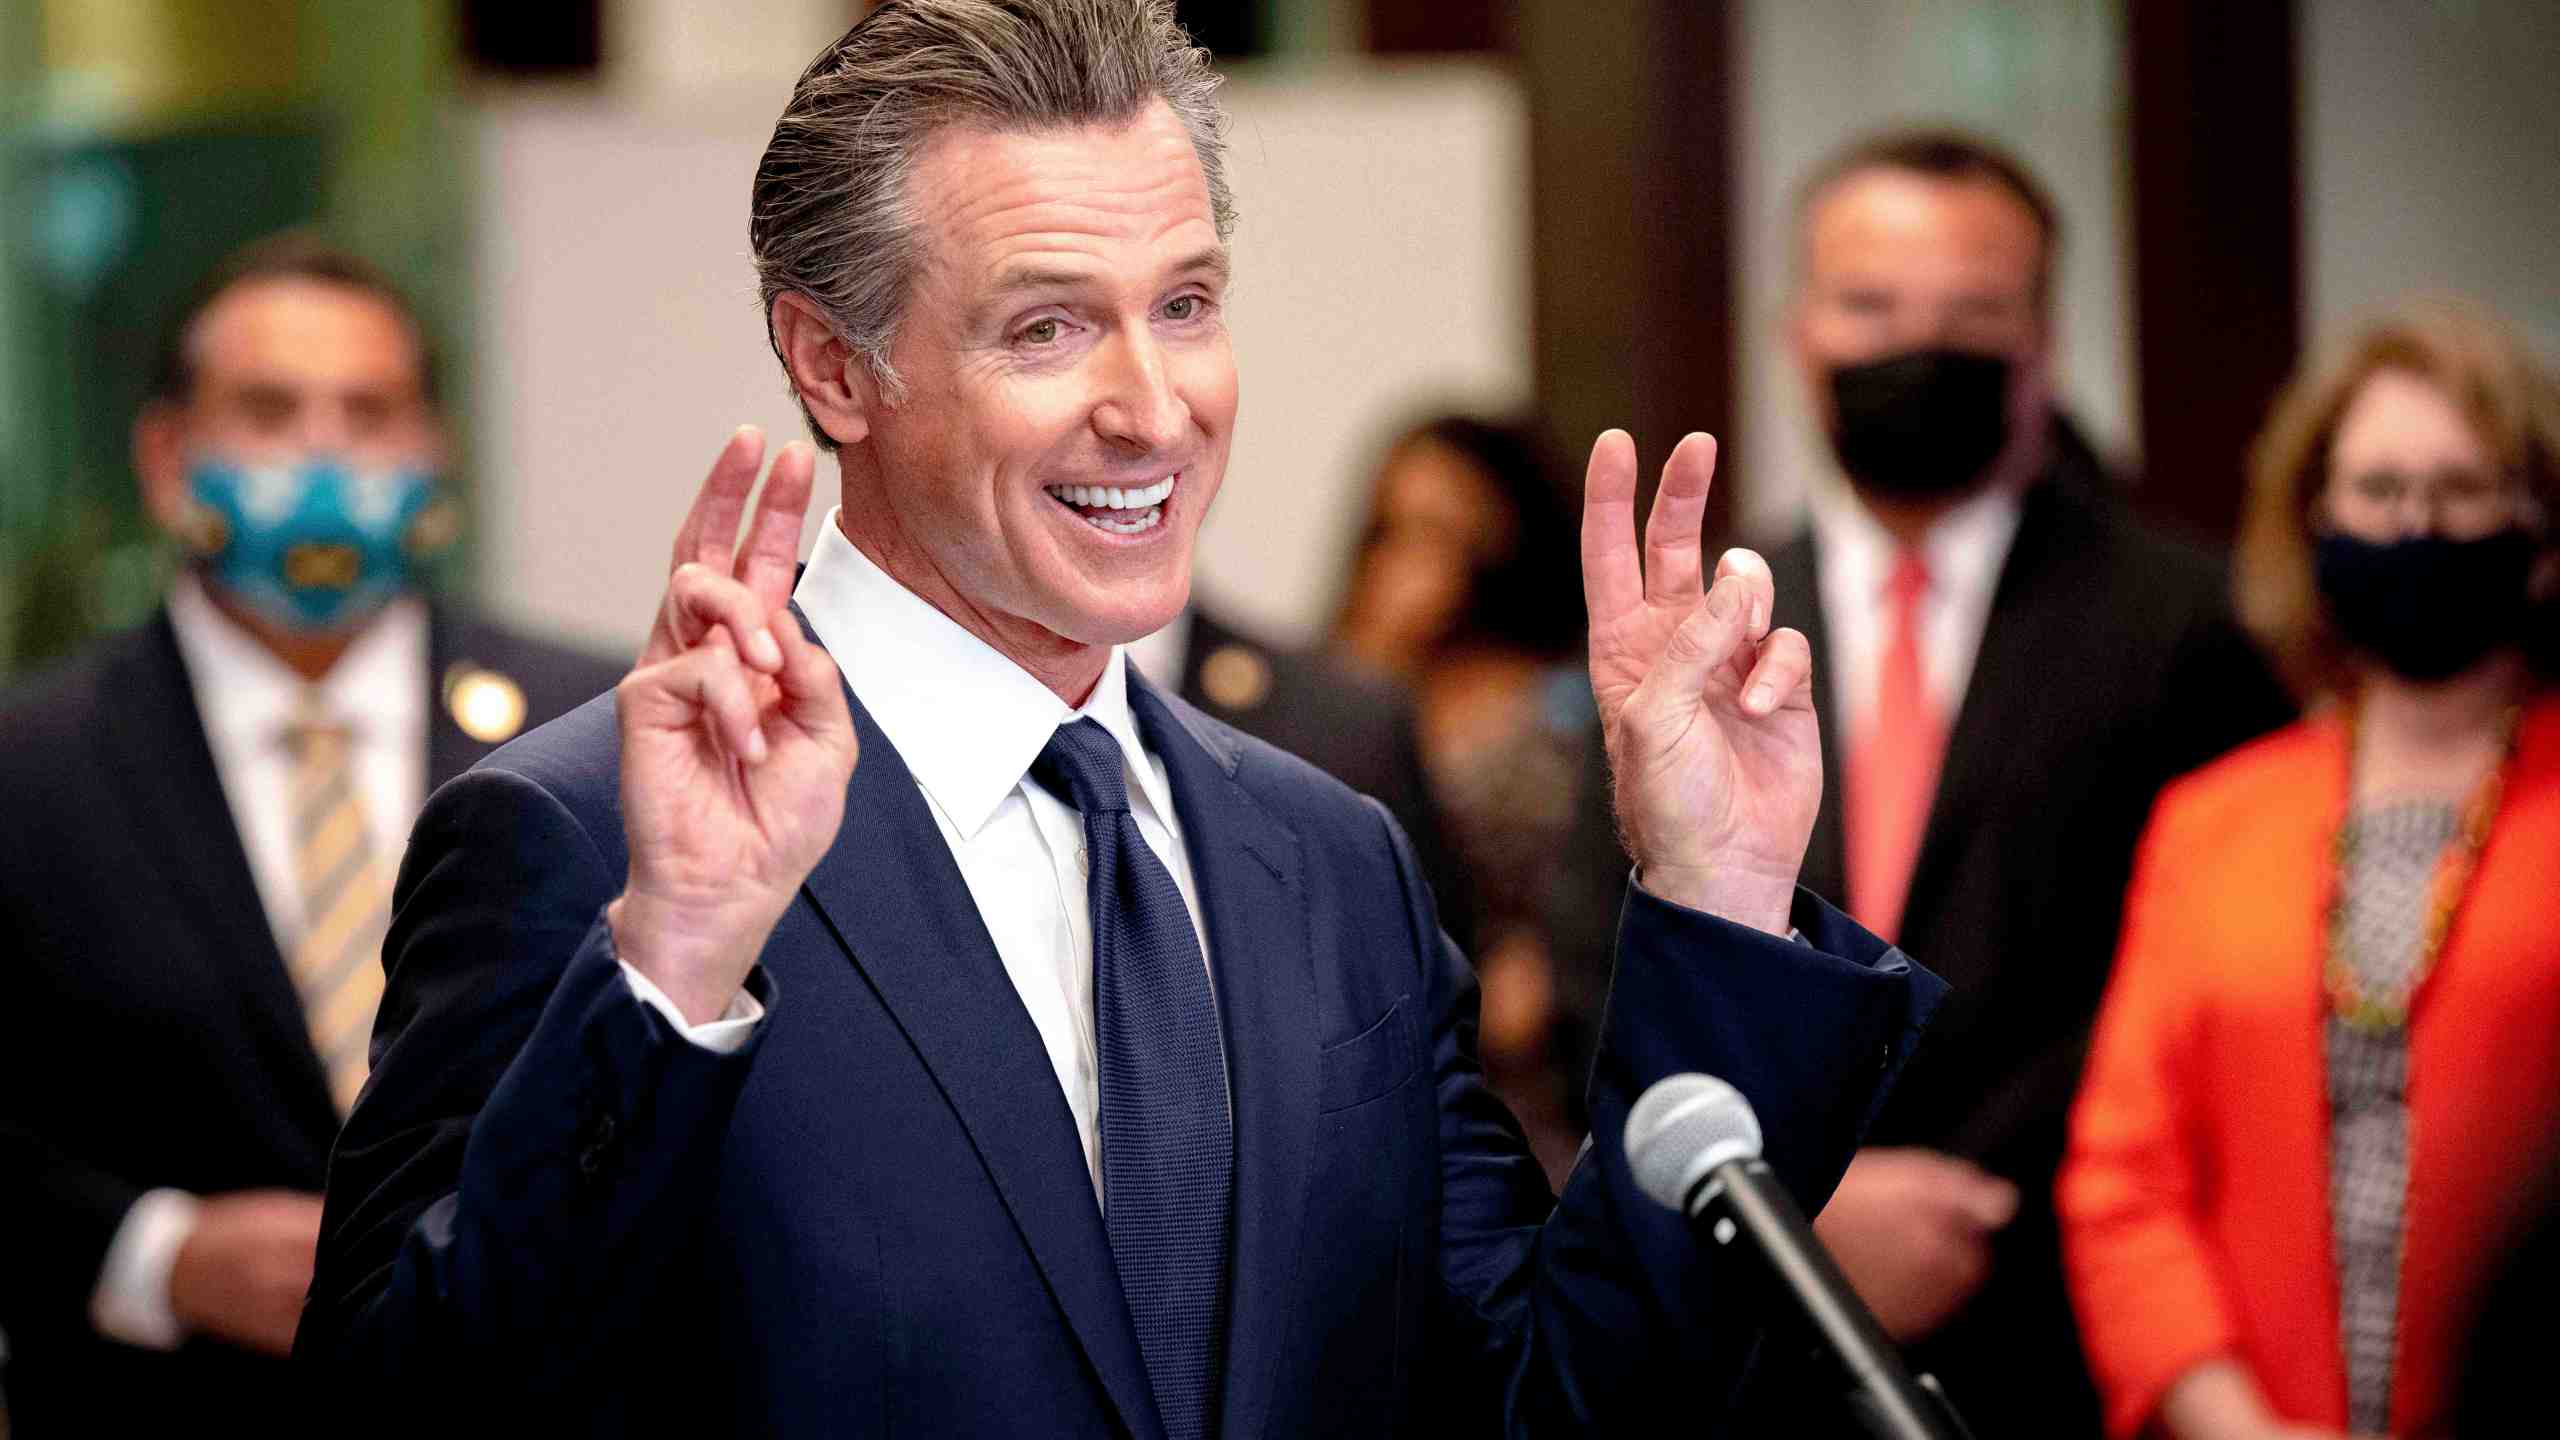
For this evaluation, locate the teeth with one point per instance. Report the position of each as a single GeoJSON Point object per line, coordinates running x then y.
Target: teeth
{"type": "Point", "coordinates": [1109, 497]}
{"type": "Point", "coordinates": [1147, 519]}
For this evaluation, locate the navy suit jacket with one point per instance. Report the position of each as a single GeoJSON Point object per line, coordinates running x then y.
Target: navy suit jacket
{"type": "Point", "coordinates": [875, 1218]}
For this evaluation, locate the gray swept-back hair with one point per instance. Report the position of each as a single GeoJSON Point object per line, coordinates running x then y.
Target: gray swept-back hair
{"type": "Point", "coordinates": [831, 217]}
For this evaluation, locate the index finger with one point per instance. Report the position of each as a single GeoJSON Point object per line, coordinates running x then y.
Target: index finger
{"type": "Point", "coordinates": [710, 530]}
{"type": "Point", "coordinates": [771, 558]}
{"type": "Point", "coordinates": [1611, 582]}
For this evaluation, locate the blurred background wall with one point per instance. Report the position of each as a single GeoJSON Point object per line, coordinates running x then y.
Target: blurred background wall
{"type": "Point", "coordinates": [1493, 203]}
{"type": "Point", "coordinates": [2431, 158]}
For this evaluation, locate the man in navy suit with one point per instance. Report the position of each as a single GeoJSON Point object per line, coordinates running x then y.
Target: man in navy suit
{"type": "Point", "coordinates": [1075, 1066]}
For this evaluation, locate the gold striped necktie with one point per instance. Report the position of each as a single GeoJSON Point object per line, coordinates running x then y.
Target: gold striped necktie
{"type": "Point", "coordinates": [346, 906]}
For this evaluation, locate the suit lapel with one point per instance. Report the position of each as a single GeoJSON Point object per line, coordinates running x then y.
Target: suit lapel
{"type": "Point", "coordinates": [1247, 866]}
{"type": "Point", "coordinates": [1796, 571]}
{"type": "Point", "coordinates": [896, 901]}
{"type": "Point", "coordinates": [159, 754]}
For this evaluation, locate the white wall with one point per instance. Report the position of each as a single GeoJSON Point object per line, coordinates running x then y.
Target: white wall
{"type": "Point", "coordinates": [2045, 80]}
{"type": "Point", "coordinates": [1383, 266]}
{"type": "Point", "coordinates": [2431, 158]}
{"type": "Point", "coordinates": [1382, 263]}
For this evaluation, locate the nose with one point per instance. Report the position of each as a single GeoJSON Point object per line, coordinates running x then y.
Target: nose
{"type": "Point", "coordinates": [1930, 327]}
{"type": "Point", "coordinates": [323, 429]}
{"type": "Point", "coordinates": [1140, 408]}
{"type": "Point", "coordinates": [2418, 511]}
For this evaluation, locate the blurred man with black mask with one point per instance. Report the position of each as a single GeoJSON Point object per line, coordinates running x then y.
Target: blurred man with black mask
{"type": "Point", "coordinates": [2010, 669]}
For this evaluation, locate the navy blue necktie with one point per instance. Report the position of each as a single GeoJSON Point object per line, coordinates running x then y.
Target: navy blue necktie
{"type": "Point", "coordinates": [1168, 1153]}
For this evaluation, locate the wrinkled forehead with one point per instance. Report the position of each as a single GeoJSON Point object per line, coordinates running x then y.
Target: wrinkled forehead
{"type": "Point", "coordinates": [1116, 195]}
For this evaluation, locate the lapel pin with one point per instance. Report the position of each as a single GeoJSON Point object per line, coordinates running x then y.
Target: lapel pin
{"type": "Point", "coordinates": [1236, 677]}
{"type": "Point", "coordinates": [487, 705]}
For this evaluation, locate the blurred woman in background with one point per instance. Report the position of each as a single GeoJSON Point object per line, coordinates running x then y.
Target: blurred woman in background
{"type": "Point", "coordinates": [2331, 1048]}
{"type": "Point", "coordinates": [1465, 585]}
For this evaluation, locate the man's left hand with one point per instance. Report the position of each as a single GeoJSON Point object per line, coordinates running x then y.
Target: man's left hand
{"type": "Point", "coordinates": [1714, 759]}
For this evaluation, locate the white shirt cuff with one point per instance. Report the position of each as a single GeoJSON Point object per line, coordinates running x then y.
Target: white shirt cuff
{"type": "Point", "coordinates": [722, 1036]}
{"type": "Point", "coordinates": [131, 1302]}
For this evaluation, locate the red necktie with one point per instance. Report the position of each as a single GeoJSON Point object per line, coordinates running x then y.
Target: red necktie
{"type": "Point", "coordinates": [1893, 768]}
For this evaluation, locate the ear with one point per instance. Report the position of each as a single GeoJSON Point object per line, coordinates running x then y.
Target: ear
{"type": "Point", "coordinates": [833, 381]}
{"type": "Point", "coordinates": [159, 458]}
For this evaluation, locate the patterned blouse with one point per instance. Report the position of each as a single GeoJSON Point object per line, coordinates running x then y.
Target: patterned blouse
{"type": "Point", "coordinates": [2381, 932]}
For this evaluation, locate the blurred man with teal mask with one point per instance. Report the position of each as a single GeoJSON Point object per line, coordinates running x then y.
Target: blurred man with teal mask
{"type": "Point", "coordinates": [204, 818]}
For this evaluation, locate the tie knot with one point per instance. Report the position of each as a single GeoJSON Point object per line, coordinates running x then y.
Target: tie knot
{"type": "Point", "coordinates": [1081, 765]}
{"type": "Point", "coordinates": [1910, 578]}
{"type": "Point", "coordinates": [314, 730]}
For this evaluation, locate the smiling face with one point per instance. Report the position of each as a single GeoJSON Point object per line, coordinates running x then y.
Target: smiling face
{"type": "Point", "coordinates": [1066, 392]}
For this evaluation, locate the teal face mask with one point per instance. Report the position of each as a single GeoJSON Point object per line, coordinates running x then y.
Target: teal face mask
{"type": "Point", "coordinates": [315, 543]}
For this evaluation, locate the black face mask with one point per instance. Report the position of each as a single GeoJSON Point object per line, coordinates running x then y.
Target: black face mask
{"type": "Point", "coordinates": [2427, 607]}
{"type": "Point", "coordinates": [1921, 424]}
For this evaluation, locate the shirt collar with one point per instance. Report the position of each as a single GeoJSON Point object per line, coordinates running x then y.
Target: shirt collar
{"type": "Point", "coordinates": [966, 719]}
{"type": "Point", "coordinates": [1965, 548]}
{"type": "Point", "coordinates": [247, 696]}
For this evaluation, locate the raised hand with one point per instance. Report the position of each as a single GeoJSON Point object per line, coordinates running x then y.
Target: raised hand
{"type": "Point", "coordinates": [1714, 759]}
{"type": "Point", "coordinates": [736, 741]}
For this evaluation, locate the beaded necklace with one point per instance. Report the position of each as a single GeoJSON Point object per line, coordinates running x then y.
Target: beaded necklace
{"type": "Point", "coordinates": [2389, 1010]}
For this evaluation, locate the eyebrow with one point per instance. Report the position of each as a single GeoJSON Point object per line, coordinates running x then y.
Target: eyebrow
{"type": "Point", "coordinates": [1211, 261]}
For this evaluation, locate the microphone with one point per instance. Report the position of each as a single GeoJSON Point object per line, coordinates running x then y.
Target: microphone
{"type": "Point", "coordinates": [1695, 1147]}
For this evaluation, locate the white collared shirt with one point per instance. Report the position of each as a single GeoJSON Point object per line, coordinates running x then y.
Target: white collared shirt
{"type": "Point", "coordinates": [968, 723]}
{"type": "Point", "coordinates": [1964, 550]}
{"type": "Point", "coordinates": [247, 697]}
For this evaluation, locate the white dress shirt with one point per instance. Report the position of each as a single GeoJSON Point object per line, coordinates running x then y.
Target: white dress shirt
{"type": "Point", "coordinates": [968, 723]}
{"type": "Point", "coordinates": [247, 699]}
{"type": "Point", "coordinates": [1964, 550]}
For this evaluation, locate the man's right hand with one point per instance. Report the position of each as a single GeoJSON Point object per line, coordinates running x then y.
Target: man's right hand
{"type": "Point", "coordinates": [1912, 1230]}
{"type": "Point", "coordinates": [736, 741]}
{"type": "Point", "coordinates": [241, 1273]}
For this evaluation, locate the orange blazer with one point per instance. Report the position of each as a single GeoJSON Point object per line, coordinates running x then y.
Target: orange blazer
{"type": "Point", "coordinates": [2195, 1194]}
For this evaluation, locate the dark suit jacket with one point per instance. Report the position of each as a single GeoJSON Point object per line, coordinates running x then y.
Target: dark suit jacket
{"type": "Point", "coordinates": [876, 1218]}
{"type": "Point", "coordinates": [1353, 726]}
{"type": "Point", "coordinates": [2109, 665]}
{"type": "Point", "coordinates": [150, 1034]}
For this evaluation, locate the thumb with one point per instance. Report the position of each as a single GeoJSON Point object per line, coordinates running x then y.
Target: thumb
{"type": "Point", "coordinates": [1706, 639]}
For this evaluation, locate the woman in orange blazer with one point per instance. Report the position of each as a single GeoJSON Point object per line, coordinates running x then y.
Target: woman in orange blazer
{"type": "Point", "coordinates": [2329, 1059]}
